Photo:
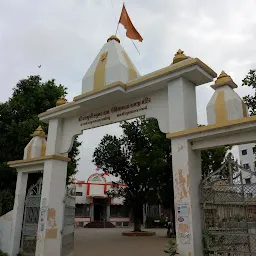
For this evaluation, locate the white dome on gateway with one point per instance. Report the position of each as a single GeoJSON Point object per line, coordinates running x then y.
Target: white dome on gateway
{"type": "Point", "coordinates": [111, 65]}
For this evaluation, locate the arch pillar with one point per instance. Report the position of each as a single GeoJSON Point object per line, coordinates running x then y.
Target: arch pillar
{"type": "Point", "coordinates": [186, 165]}
{"type": "Point", "coordinates": [187, 177]}
{"type": "Point", "coordinates": [231, 128]}
{"type": "Point", "coordinates": [51, 220]}
{"type": "Point", "coordinates": [18, 211]}
{"type": "Point", "coordinates": [50, 226]}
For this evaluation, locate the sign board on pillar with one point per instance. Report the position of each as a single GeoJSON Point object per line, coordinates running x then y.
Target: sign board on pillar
{"type": "Point", "coordinates": [182, 213]}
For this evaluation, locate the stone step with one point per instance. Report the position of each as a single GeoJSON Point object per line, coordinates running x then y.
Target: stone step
{"type": "Point", "coordinates": [99, 224]}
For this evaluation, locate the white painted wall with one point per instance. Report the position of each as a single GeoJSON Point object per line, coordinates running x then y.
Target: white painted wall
{"type": "Point", "coordinates": [82, 199]}
{"type": "Point", "coordinates": [97, 190]}
{"type": "Point", "coordinates": [182, 105]}
{"type": "Point", "coordinates": [249, 157]}
{"type": "Point", "coordinates": [5, 231]}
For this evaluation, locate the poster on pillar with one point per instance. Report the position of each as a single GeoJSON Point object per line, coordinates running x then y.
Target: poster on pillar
{"type": "Point", "coordinates": [51, 228]}
{"type": "Point", "coordinates": [43, 215]}
{"type": "Point", "coordinates": [182, 213]}
{"type": "Point", "coordinates": [183, 223]}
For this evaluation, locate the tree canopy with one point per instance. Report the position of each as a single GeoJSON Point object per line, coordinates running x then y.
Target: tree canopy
{"type": "Point", "coordinates": [18, 119]}
{"type": "Point", "coordinates": [212, 159]}
{"type": "Point", "coordinates": [142, 159]}
{"type": "Point", "coordinates": [250, 100]}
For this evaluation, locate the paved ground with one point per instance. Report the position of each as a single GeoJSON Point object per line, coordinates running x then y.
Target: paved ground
{"type": "Point", "coordinates": [110, 242]}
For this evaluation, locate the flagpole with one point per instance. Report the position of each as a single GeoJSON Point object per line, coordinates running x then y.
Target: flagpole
{"type": "Point", "coordinates": [118, 22]}
{"type": "Point", "coordinates": [117, 28]}
{"type": "Point", "coordinates": [135, 47]}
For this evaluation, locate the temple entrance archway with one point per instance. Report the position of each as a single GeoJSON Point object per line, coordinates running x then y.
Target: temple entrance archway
{"type": "Point", "coordinates": [113, 91]}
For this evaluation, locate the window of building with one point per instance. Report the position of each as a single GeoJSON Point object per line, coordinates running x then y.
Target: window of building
{"type": "Point", "coordinates": [247, 181]}
{"type": "Point", "coordinates": [254, 150]}
{"type": "Point", "coordinates": [82, 210]}
{"type": "Point", "coordinates": [244, 152]}
{"type": "Point", "coordinates": [246, 166]}
{"type": "Point", "coordinates": [79, 193]}
{"type": "Point", "coordinates": [119, 211]}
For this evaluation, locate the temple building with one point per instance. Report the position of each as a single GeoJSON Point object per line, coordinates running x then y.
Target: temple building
{"type": "Point", "coordinates": [94, 205]}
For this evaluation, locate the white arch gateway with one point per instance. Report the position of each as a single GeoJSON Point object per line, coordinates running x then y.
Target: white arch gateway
{"type": "Point", "coordinates": [113, 91]}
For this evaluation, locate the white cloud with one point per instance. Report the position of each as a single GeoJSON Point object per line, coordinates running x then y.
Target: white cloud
{"type": "Point", "coordinates": [64, 37]}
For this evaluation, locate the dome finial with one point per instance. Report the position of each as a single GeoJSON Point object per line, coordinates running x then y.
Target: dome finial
{"type": "Point", "coordinates": [224, 79]}
{"type": "Point", "coordinates": [113, 37]}
{"type": "Point", "coordinates": [61, 101]}
{"type": "Point", "coordinates": [179, 56]}
{"type": "Point", "coordinates": [39, 132]}
{"type": "Point", "coordinates": [223, 75]}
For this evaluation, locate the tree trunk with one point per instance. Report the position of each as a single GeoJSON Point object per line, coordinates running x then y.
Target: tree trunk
{"type": "Point", "coordinates": [174, 220]}
{"type": "Point", "coordinates": [137, 225]}
{"type": "Point", "coordinates": [138, 217]}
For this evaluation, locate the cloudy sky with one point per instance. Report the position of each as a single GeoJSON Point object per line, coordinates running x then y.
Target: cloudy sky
{"type": "Point", "coordinates": [64, 36]}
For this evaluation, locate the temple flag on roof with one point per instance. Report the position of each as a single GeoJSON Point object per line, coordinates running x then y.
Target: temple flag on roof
{"type": "Point", "coordinates": [131, 31]}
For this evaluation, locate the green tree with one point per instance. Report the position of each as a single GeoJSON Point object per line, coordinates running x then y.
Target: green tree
{"type": "Point", "coordinates": [142, 159]}
{"type": "Point", "coordinates": [212, 159]}
{"type": "Point", "coordinates": [18, 119]}
{"type": "Point", "coordinates": [250, 100]}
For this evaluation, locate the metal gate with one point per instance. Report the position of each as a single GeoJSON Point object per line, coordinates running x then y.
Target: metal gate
{"type": "Point", "coordinates": [228, 199]}
{"type": "Point", "coordinates": [31, 217]}
{"type": "Point", "coordinates": [69, 222]}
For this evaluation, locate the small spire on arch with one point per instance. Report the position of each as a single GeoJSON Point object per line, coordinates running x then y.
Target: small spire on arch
{"type": "Point", "coordinates": [61, 101]}
{"type": "Point", "coordinates": [39, 132]}
{"type": "Point", "coordinates": [179, 56]}
{"type": "Point", "coordinates": [224, 79]}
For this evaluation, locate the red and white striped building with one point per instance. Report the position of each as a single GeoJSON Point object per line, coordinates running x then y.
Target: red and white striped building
{"type": "Point", "coordinates": [93, 204]}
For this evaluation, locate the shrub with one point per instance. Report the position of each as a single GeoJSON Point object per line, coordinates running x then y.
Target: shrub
{"type": "Point", "coordinates": [6, 201]}
{"type": "Point", "coordinates": [3, 253]}
{"type": "Point", "coordinates": [171, 249]}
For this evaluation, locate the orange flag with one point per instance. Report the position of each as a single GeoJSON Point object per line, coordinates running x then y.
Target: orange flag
{"type": "Point", "coordinates": [131, 31]}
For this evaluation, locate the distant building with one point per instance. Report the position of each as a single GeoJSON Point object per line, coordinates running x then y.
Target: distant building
{"type": "Point", "coordinates": [247, 155]}
{"type": "Point", "coordinates": [93, 204]}
{"type": "Point", "coordinates": [247, 160]}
